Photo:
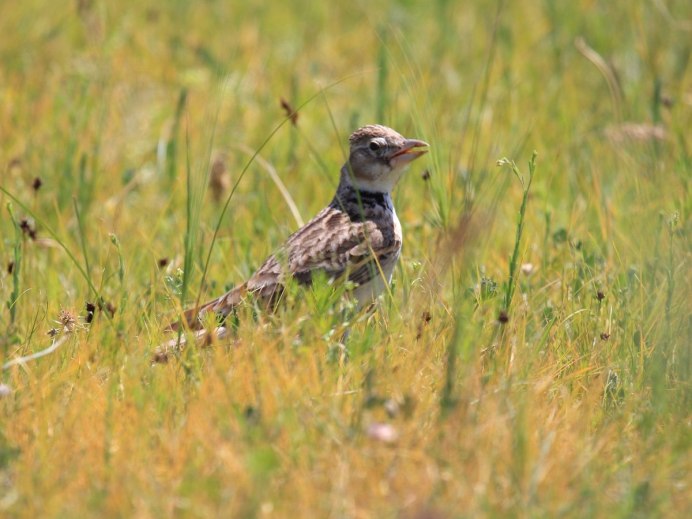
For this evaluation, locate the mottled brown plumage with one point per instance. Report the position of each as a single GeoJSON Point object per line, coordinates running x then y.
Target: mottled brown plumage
{"type": "Point", "coordinates": [356, 237]}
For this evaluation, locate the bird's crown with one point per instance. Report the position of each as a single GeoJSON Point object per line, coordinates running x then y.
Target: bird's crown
{"type": "Point", "coordinates": [363, 136]}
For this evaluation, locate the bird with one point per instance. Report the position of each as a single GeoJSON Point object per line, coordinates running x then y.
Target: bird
{"type": "Point", "coordinates": [356, 237]}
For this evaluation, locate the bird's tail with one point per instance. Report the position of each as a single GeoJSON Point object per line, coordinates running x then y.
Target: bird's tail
{"type": "Point", "coordinates": [192, 318]}
{"type": "Point", "coordinates": [176, 344]}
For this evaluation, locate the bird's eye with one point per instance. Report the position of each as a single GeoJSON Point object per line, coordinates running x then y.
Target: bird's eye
{"type": "Point", "coordinates": [376, 145]}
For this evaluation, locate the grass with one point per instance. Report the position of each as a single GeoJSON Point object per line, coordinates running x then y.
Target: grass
{"type": "Point", "coordinates": [533, 357]}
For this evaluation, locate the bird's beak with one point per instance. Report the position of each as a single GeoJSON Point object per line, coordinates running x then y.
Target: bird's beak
{"type": "Point", "coordinates": [409, 151]}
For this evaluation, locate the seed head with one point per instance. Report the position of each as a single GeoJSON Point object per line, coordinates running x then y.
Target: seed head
{"type": "Point", "coordinates": [68, 320]}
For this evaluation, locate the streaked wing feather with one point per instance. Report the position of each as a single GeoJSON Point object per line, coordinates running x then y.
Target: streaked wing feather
{"type": "Point", "coordinates": [332, 243]}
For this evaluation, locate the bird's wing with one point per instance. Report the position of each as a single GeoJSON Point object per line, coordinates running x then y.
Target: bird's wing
{"type": "Point", "coordinates": [332, 243]}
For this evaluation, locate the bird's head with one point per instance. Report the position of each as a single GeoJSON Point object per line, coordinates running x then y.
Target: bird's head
{"type": "Point", "coordinates": [379, 156]}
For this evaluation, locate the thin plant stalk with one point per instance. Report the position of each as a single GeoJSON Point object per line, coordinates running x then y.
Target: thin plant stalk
{"type": "Point", "coordinates": [514, 259]}
{"type": "Point", "coordinates": [17, 259]}
{"type": "Point", "coordinates": [82, 236]}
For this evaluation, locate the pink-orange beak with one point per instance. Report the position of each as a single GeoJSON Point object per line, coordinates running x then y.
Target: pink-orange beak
{"type": "Point", "coordinates": [409, 151]}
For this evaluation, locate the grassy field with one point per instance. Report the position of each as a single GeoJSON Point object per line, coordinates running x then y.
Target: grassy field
{"type": "Point", "coordinates": [533, 357]}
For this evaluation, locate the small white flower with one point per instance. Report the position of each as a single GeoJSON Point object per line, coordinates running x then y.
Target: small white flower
{"type": "Point", "coordinates": [527, 268]}
{"type": "Point", "coordinates": [5, 390]}
{"type": "Point", "coordinates": [383, 432]}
